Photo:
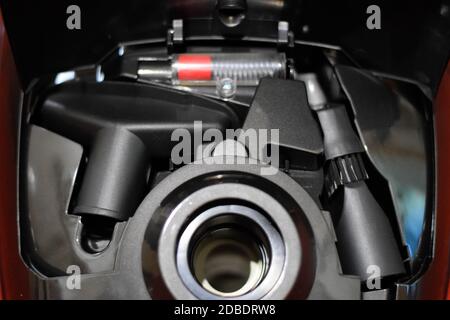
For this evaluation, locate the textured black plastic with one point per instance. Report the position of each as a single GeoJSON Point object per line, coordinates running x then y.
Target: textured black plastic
{"type": "Point", "coordinates": [283, 105]}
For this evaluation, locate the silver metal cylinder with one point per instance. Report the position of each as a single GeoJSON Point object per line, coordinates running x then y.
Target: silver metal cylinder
{"type": "Point", "coordinates": [208, 69]}
{"type": "Point", "coordinates": [248, 67]}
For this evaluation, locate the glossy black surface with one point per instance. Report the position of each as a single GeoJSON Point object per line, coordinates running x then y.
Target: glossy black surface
{"type": "Point", "coordinates": [414, 40]}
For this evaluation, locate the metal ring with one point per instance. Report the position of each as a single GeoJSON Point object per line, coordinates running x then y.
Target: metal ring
{"type": "Point", "coordinates": [274, 240]}
{"type": "Point", "coordinates": [173, 227]}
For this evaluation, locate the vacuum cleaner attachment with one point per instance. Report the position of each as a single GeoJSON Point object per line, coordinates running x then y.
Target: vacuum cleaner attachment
{"type": "Point", "coordinates": [120, 133]}
{"type": "Point", "coordinates": [365, 238]}
{"type": "Point", "coordinates": [116, 175]}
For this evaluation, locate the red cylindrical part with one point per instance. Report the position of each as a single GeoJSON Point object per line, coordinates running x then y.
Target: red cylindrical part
{"type": "Point", "coordinates": [194, 67]}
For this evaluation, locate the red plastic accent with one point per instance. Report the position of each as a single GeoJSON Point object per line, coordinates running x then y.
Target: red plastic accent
{"type": "Point", "coordinates": [13, 274]}
{"type": "Point", "coordinates": [194, 67]}
{"type": "Point", "coordinates": [436, 279]}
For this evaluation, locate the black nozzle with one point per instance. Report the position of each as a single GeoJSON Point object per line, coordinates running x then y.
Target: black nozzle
{"type": "Point", "coordinates": [365, 236]}
{"type": "Point", "coordinates": [115, 177]}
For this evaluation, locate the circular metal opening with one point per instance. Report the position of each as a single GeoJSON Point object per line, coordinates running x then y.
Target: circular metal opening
{"type": "Point", "coordinates": [177, 210]}
{"type": "Point", "coordinates": [230, 258]}
{"type": "Point", "coordinates": [228, 252]}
